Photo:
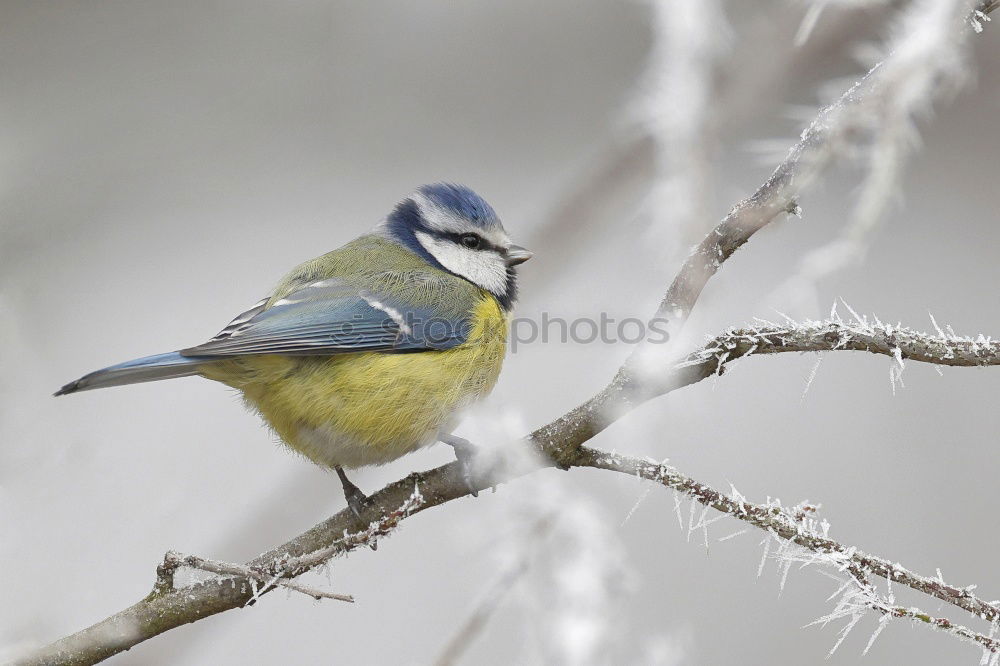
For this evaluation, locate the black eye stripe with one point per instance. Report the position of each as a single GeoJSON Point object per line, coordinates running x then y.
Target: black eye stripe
{"type": "Point", "coordinates": [483, 243]}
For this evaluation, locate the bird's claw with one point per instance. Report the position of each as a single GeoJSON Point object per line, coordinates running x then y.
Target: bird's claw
{"type": "Point", "coordinates": [465, 455]}
{"type": "Point", "coordinates": [356, 501]}
{"type": "Point", "coordinates": [465, 469]}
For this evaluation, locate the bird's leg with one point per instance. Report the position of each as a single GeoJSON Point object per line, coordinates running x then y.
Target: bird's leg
{"type": "Point", "coordinates": [355, 498]}
{"type": "Point", "coordinates": [465, 454]}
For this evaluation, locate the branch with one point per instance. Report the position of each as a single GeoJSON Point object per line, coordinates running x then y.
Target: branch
{"type": "Point", "coordinates": [797, 172]}
{"type": "Point", "coordinates": [833, 334]}
{"type": "Point", "coordinates": [174, 560]}
{"type": "Point", "coordinates": [560, 441]}
{"type": "Point", "coordinates": [858, 596]}
{"type": "Point", "coordinates": [792, 526]}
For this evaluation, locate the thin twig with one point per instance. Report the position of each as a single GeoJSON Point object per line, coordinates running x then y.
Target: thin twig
{"type": "Point", "coordinates": [174, 560]}
{"type": "Point", "coordinates": [790, 526]}
{"type": "Point", "coordinates": [896, 342]}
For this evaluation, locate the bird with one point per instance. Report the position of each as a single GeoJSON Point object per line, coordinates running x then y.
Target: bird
{"type": "Point", "coordinates": [373, 350]}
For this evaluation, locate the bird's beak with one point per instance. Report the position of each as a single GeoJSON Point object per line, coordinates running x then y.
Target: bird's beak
{"type": "Point", "coordinates": [518, 255]}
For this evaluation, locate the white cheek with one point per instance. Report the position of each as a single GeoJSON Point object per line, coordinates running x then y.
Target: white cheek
{"type": "Point", "coordinates": [485, 269]}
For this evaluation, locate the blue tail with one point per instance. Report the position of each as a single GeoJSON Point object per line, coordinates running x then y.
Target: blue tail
{"type": "Point", "coordinates": [147, 369]}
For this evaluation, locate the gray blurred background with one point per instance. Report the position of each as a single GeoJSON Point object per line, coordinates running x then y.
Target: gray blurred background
{"type": "Point", "coordinates": [162, 164]}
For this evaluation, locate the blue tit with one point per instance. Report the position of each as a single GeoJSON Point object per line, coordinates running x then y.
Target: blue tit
{"type": "Point", "coordinates": [371, 351]}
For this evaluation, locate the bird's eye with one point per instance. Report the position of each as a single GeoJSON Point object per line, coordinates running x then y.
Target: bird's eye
{"type": "Point", "coordinates": [471, 241]}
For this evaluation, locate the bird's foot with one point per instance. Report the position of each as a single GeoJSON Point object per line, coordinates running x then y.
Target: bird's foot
{"type": "Point", "coordinates": [356, 499]}
{"type": "Point", "coordinates": [465, 454]}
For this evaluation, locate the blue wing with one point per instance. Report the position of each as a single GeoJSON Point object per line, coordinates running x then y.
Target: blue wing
{"type": "Point", "coordinates": [332, 316]}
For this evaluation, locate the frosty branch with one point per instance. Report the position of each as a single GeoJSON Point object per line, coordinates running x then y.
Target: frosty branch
{"type": "Point", "coordinates": [895, 341]}
{"type": "Point", "coordinates": [561, 442]}
{"type": "Point", "coordinates": [797, 525]}
{"type": "Point", "coordinates": [173, 561]}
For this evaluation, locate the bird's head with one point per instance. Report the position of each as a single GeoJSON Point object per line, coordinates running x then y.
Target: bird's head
{"type": "Point", "coordinates": [454, 229]}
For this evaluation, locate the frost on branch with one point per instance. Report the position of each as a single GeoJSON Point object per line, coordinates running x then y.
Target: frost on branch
{"type": "Point", "coordinates": [977, 19]}
{"type": "Point", "coordinates": [797, 536]}
{"type": "Point", "coordinates": [262, 578]}
{"type": "Point", "coordinates": [856, 596]}
{"type": "Point", "coordinates": [856, 333]}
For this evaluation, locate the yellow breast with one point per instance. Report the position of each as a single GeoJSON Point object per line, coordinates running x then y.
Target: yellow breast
{"type": "Point", "coordinates": [358, 409]}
